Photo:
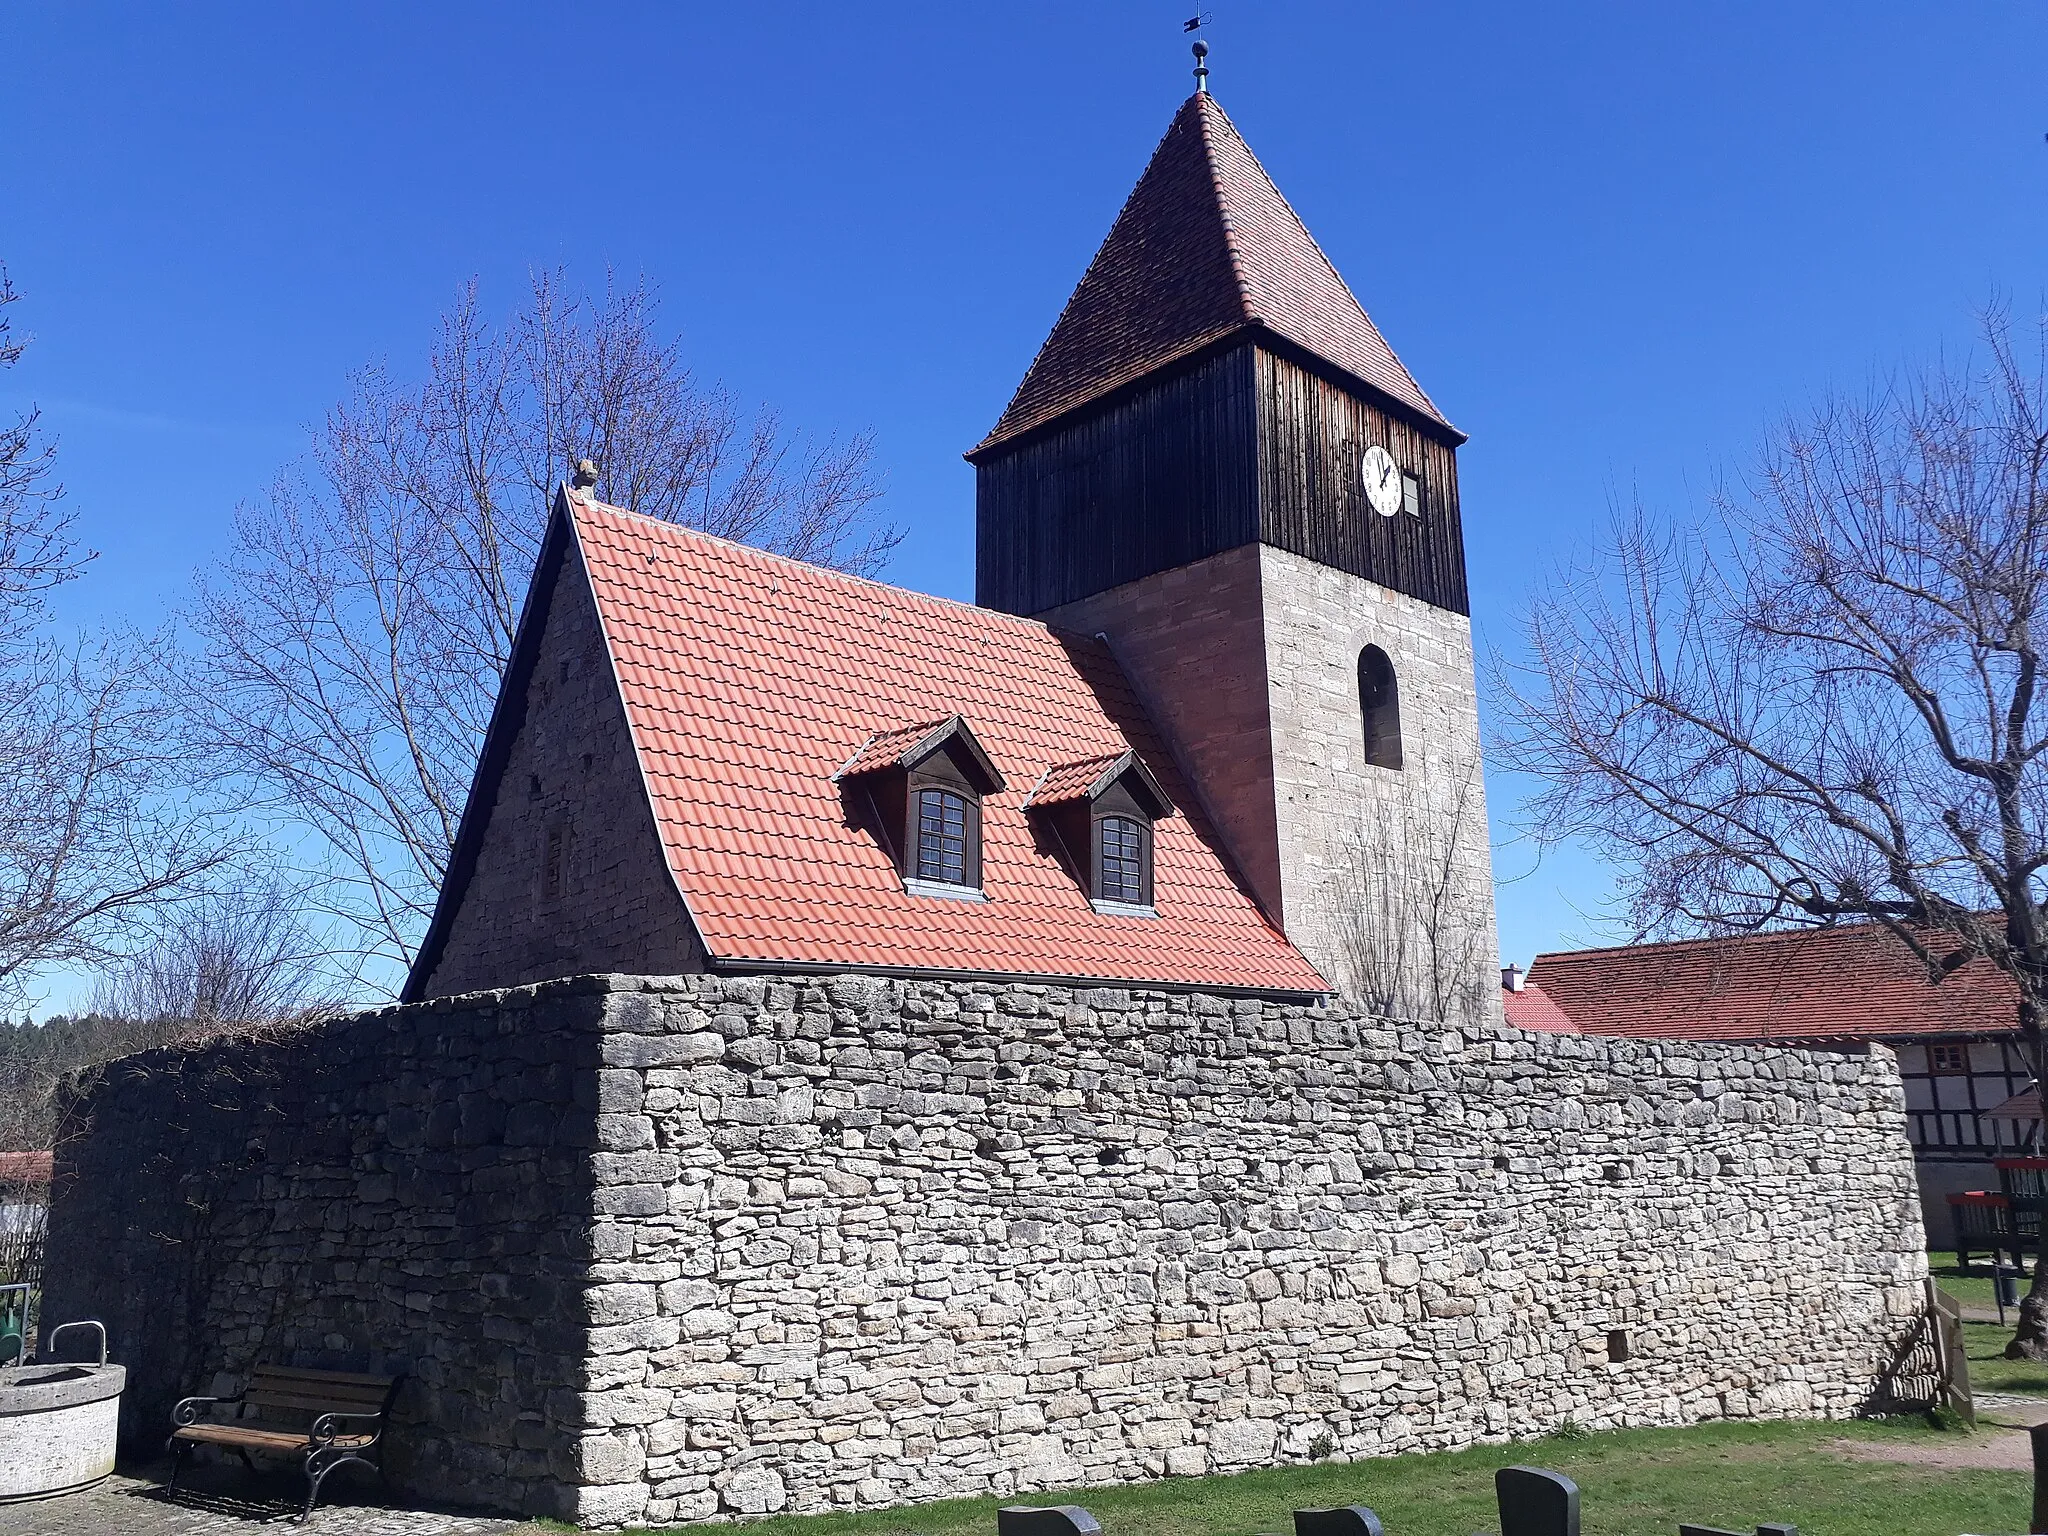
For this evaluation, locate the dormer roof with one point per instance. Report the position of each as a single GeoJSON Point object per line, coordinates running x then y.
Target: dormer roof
{"type": "Point", "coordinates": [1091, 777]}
{"type": "Point", "coordinates": [1204, 249]}
{"type": "Point", "coordinates": [912, 746]}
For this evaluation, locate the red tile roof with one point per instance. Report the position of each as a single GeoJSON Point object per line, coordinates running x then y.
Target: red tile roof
{"type": "Point", "coordinates": [25, 1167]}
{"type": "Point", "coordinates": [1854, 982]}
{"type": "Point", "coordinates": [1072, 781]}
{"type": "Point", "coordinates": [750, 680]}
{"type": "Point", "coordinates": [1205, 247]}
{"type": "Point", "coordinates": [1531, 1008]}
{"type": "Point", "coordinates": [885, 749]}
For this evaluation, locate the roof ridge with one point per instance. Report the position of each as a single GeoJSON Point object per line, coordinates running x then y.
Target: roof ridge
{"type": "Point", "coordinates": [1208, 112]}
{"type": "Point", "coordinates": [1315, 245]}
{"type": "Point", "coordinates": [1762, 936]}
{"type": "Point", "coordinates": [826, 571]}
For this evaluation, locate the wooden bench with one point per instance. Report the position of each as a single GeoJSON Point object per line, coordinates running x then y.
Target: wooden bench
{"type": "Point", "coordinates": [347, 1414]}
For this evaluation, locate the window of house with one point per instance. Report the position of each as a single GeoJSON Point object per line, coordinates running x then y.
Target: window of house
{"type": "Point", "coordinates": [1948, 1060]}
{"type": "Point", "coordinates": [1123, 859]}
{"type": "Point", "coordinates": [1379, 699]}
{"type": "Point", "coordinates": [943, 822]}
{"type": "Point", "coordinates": [1411, 495]}
{"type": "Point", "coordinates": [919, 789]}
{"type": "Point", "coordinates": [1098, 813]}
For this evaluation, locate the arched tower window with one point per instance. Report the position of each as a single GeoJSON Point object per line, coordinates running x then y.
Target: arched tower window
{"type": "Point", "coordinates": [1379, 699]}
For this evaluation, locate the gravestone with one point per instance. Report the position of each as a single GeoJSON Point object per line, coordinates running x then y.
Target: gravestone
{"type": "Point", "coordinates": [1534, 1502]}
{"type": "Point", "coordinates": [1047, 1520]}
{"type": "Point", "coordinates": [1351, 1520]}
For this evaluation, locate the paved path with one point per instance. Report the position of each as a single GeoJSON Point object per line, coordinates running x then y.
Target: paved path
{"type": "Point", "coordinates": [221, 1501]}
{"type": "Point", "coordinates": [2013, 1408]}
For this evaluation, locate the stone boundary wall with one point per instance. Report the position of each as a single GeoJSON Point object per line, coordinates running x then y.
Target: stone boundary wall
{"type": "Point", "coordinates": [809, 1244]}
{"type": "Point", "coordinates": [404, 1190]}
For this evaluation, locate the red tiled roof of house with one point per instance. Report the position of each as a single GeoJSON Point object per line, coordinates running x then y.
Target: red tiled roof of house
{"type": "Point", "coordinates": [25, 1167]}
{"type": "Point", "coordinates": [884, 749]}
{"type": "Point", "coordinates": [1855, 982]}
{"type": "Point", "coordinates": [1071, 781]}
{"type": "Point", "coordinates": [1204, 247]}
{"type": "Point", "coordinates": [750, 680]}
{"type": "Point", "coordinates": [1531, 1008]}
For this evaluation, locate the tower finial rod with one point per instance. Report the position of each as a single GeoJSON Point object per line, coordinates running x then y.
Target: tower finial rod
{"type": "Point", "coordinates": [1201, 67]}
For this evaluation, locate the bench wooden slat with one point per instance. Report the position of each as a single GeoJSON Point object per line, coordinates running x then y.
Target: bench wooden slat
{"type": "Point", "coordinates": [260, 1439]}
{"type": "Point", "coordinates": [322, 1389]}
{"type": "Point", "coordinates": [280, 1402]}
{"type": "Point", "coordinates": [307, 1373]}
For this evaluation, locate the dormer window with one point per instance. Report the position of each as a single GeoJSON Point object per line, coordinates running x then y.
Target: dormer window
{"type": "Point", "coordinates": [946, 832]}
{"type": "Point", "coordinates": [1123, 860]}
{"type": "Point", "coordinates": [1099, 812]}
{"type": "Point", "coordinates": [919, 789]}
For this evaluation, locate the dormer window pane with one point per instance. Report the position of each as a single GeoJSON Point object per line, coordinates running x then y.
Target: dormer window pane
{"type": "Point", "coordinates": [1121, 859]}
{"type": "Point", "coordinates": [941, 837]}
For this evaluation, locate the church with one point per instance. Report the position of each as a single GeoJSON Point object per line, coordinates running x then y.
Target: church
{"type": "Point", "coordinates": [1210, 723]}
{"type": "Point", "coordinates": [873, 1048]}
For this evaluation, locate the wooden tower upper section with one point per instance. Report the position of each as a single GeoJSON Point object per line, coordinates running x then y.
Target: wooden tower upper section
{"type": "Point", "coordinates": [1213, 383]}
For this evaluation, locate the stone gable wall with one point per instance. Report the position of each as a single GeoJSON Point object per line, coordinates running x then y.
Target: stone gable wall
{"type": "Point", "coordinates": [571, 771]}
{"type": "Point", "coordinates": [855, 1242]}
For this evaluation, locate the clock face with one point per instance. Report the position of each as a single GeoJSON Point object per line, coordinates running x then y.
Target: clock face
{"type": "Point", "coordinates": [1382, 481]}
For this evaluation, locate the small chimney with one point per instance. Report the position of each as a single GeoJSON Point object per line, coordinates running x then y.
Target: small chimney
{"type": "Point", "coordinates": [586, 474]}
{"type": "Point", "coordinates": [1511, 977]}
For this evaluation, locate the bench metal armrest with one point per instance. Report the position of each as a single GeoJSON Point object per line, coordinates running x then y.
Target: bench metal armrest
{"type": "Point", "coordinates": [328, 1426]}
{"type": "Point", "coordinates": [187, 1411]}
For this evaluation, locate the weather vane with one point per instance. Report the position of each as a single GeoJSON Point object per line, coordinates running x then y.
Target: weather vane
{"type": "Point", "coordinates": [1195, 23]}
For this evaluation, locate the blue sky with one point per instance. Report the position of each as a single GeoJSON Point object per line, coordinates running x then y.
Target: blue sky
{"type": "Point", "coordinates": [1614, 241]}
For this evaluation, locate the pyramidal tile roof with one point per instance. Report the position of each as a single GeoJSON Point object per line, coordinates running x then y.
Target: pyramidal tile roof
{"type": "Point", "coordinates": [753, 683]}
{"type": "Point", "coordinates": [1853, 982]}
{"type": "Point", "coordinates": [1204, 247]}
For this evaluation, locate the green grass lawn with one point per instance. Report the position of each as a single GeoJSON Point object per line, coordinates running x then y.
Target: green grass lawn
{"type": "Point", "coordinates": [1973, 1289]}
{"type": "Point", "coordinates": [1639, 1482]}
{"type": "Point", "coordinates": [1984, 1345]}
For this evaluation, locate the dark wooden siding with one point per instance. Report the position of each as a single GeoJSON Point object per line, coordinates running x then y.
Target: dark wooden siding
{"type": "Point", "coordinates": [1240, 447]}
{"type": "Point", "coordinates": [1149, 481]}
{"type": "Point", "coordinates": [1312, 435]}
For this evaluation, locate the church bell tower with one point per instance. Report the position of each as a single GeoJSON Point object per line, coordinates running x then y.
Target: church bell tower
{"type": "Point", "coordinates": [1217, 463]}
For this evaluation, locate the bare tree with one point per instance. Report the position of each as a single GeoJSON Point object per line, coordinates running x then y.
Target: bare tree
{"type": "Point", "coordinates": [89, 838]}
{"type": "Point", "coordinates": [1410, 947]}
{"type": "Point", "coordinates": [235, 961]}
{"type": "Point", "coordinates": [1824, 707]}
{"type": "Point", "coordinates": [228, 962]}
{"type": "Point", "coordinates": [355, 640]}
{"type": "Point", "coordinates": [35, 546]}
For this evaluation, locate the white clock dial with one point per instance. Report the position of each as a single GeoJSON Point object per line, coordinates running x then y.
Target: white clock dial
{"type": "Point", "coordinates": [1382, 481]}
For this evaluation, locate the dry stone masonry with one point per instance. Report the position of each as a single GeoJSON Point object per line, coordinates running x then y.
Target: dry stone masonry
{"type": "Point", "coordinates": [694, 1247]}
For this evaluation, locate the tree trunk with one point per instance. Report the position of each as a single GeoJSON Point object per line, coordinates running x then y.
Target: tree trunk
{"type": "Point", "coordinates": [2030, 1339]}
